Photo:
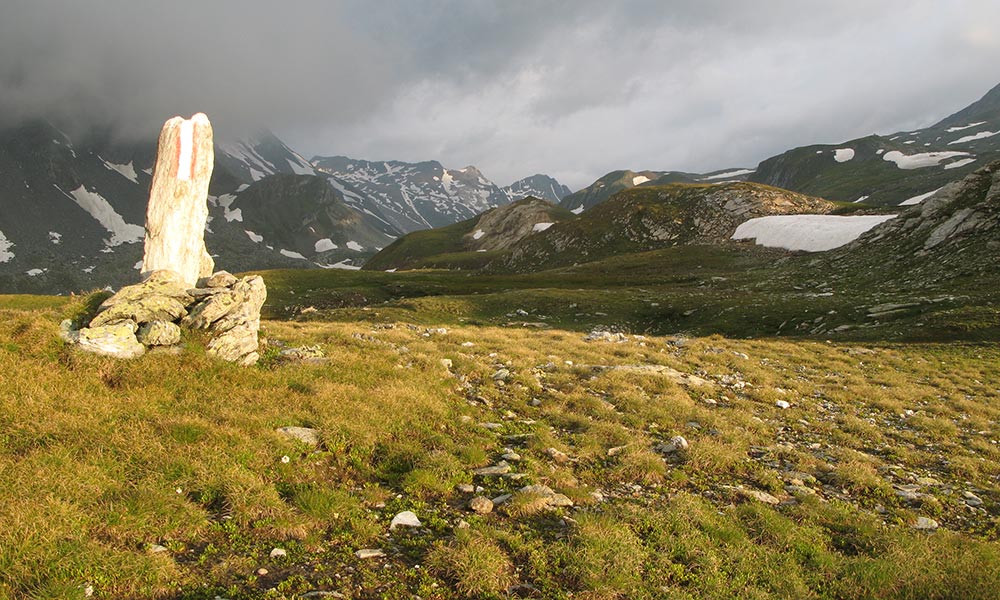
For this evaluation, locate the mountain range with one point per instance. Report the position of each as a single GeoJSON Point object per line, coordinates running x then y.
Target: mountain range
{"type": "Point", "coordinates": [72, 209]}
{"type": "Point", "coordinates": [879, 170]}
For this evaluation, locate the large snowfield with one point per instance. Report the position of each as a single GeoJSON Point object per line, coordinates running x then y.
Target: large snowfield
{"type": "Point", "coordinates": [811, 233]}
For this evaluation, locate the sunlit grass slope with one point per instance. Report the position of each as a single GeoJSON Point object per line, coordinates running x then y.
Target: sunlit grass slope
{"type": "Point", "coordinates": [164, 477]}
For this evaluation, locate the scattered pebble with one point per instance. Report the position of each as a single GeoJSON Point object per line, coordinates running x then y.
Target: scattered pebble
{"type": "Point", "coordinates": [278, 553]}
{"type": "Point", "coordinates": [406, 518]}
{"type": "Point", "coordinates": [926, 524]}
{"type": "Point", "coordinates": [782, 404]}
{"type": "Point", "coordinates": [501, 499]}
{"type": "Point", "coordinates": [676, 444]}
{"type": "Point", "coordinates": [501, 468]}
{"type": "Point", "coordinates": [760, 496]}
{"type": "Point", "coordinates": [481, 505]}
{"type": "Point", "coordinates": [306, 435]}
{"type": "Point", "coordinates": [465, 488]}
{"type": "Point", "coordinates": [557, 455]}
{"type": "Point", "coordinates": [972, 499]}
{"type": "Point", "coordinates": [369, 553]}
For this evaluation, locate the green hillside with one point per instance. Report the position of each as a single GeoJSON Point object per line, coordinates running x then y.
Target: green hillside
{"type": "Point", "coordinates": [650, 217]}
{"type": "Point", "coordinates": [458, 246]}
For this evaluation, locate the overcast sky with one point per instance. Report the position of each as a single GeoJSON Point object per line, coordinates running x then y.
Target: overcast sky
{"type": "Point", "coordinates": [571, 88]}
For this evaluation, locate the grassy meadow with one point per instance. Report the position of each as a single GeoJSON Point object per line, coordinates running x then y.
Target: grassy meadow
{"type": "Point", "coordinates": [165, 477]}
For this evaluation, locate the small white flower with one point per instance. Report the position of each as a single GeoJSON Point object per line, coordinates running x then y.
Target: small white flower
{"type": "Point", "coordinates": [285, 459]}
{"type": "Point", "coordinates": [179, 491]}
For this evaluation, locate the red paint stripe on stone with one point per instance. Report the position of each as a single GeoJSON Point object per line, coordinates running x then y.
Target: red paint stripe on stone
{"type": "Point", "coordinates": [194, 147]}
{"type": "Point", "coordinates": [177, 155]}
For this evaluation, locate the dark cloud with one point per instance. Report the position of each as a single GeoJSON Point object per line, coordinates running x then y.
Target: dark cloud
{"type": "Point", "coordinates": [573, 88]}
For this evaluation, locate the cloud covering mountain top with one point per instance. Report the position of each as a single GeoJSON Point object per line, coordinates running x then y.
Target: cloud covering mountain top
{"type": "Point", "coordinates": [573, 88]}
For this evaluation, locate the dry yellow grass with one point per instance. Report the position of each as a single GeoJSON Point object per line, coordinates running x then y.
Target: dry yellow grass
{"type": "Point", "coordinates": [101, 460]}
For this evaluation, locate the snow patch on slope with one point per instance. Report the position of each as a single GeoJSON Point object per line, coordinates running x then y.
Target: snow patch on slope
{"type": "Point", "coordinates": [919, 199]}
{"type": "Point", "coordinates": [291, 254]}
{"type": "Point", "coordinates": [299, 169]}
{"type": "Point", "coordinates": [728, 174]}
{"type": "Point", "coordinates": [245, 153]}
{"type": "Point", "coordinates": [974, 137]}
{"type": "Point", "coordinates": [352, 245]}
{"type": "Point", "coordinates": [99, 208]}
{"type": "Point", "coordinates": [225, 201]}
{"type": "Point", "coordinates": [478, 234]}
{"type": "Point", "coordinates": [340, 265]}
{"type": "Point", "coordinates": [959, 163]}
{"type": "Point", "coordinates": [843, 154]}
{"type": "Point", "coordinates": [541, 226]}
{"type": "Point", "coordinates": [639, 179]}
{"type": "Point", "coordinates": [5, 246]}
{"type": "Point", "coordinates": [324, 244]}
{"type": "Point", "coordinates": [960, 128]}
{"type": "Point", "coordinates": [811, 233]}
{"type": "Point", "coordinates": [917, 161]}
{"type": "Point", "coordinates": [253, 236]}
{"type": "Point", "coordinates": [126, 171]}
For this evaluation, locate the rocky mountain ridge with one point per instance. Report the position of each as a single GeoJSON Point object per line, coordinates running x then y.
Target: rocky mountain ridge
{"type": "Point", "coordinates": [879, 170]}
{"type": "Point", "coordinates": [473, 242]}
{"type": "Point", "coordinates": [73, 210]}
{"type": "Point", "coordinates": [634, 220]}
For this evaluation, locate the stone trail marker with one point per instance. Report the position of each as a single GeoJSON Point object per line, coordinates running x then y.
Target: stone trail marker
{"type": "Point", "coordinates": [178, 287]}
{"type": "Point", "coordinates": [178, 200]}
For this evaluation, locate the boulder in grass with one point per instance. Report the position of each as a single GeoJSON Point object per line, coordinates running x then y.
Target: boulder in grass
{"type": "Point", "coordinates": [113, 339]}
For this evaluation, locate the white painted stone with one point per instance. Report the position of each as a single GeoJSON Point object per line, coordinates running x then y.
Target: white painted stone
{"type": "Point", "coordinates": [178, 200]}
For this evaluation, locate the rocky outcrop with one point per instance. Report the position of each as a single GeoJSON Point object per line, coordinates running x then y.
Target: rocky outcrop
{"type": "Point", "coordinates": [505, 226]}
{"type": "Point", "coordinates": [178, 200]}
{"type": "Point", "coordinates": [652, 217]}
{"type": "Point", "coordinates": [953, 234]}
{"type": "Point", "coordinates": [151, 313]}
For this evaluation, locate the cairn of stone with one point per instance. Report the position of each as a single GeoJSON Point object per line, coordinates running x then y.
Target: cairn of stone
{"type": "Point", "coordinates": [179, 288]}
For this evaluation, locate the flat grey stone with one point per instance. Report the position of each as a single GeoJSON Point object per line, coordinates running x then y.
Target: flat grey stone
{"type": "Point", "coordinates": [305, 435]}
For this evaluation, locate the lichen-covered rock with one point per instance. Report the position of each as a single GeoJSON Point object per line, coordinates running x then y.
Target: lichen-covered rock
{"type": "Point", "coordinates": [159, 333]}
{"type": "Point", "coordinates": [67, 333]}
{"type": "Point", "coordinates": [237, 345]}
{"type": "Point", "coordinates": [220, 279]}
{"type": "Point", "coordinates": [113, 339]}
{"type": "Point", "coordinates": [237, 328]}
{"type": "Point", "coordinates": [251, 293]}
{"type": "Point", "coordinates": [154, 307]}
{"type": "Point", "coordinates": [162, 296]}
{"type": "Point", "coordinates": [211, 309]}
{"type": "Point", "coordinates": [230, 308]}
